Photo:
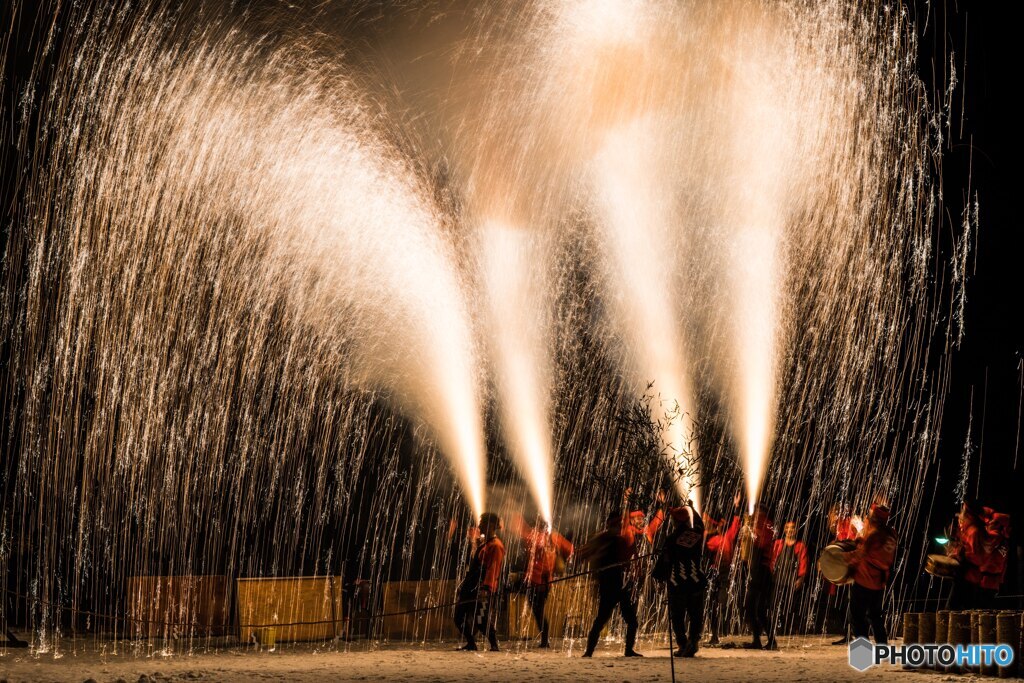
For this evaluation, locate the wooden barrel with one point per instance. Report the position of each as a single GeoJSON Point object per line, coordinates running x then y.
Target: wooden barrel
{"type": "Point", "coordinates": [911, 621]}
{"type": "Point", "coordinates": [987, 634]}
{"type": "Point", "coordinates": [960, 628]}
{"type": "Point", "coordinates": [941, 631]}
{"type": "Point", "coordinates": [926, 627]}
{"type": "Point", "coordinates": [1020, 647]}
{"type": "Point", "coordinates": [1008, 631]}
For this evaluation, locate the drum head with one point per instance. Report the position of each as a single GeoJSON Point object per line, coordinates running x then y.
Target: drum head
{"type": "Point", "coordinates": [833, 566]}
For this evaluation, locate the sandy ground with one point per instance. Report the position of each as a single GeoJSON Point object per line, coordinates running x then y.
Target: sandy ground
{"type": "Point", "coordinates": [799, 659]}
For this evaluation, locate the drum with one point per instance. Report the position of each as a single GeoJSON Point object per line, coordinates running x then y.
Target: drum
{"type": "Point", "coordinates": [833, 566]}
{"type": "Point", "coordinates": [942, 566]}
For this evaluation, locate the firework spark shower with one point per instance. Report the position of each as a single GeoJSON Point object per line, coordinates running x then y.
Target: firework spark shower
{"type": "Point", "coordinates": [289, 290]}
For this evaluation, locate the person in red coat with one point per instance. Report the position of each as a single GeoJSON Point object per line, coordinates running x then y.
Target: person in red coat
{"type": "Point", "coordinates": [980, 545]}
{"type": "Point", "coordinates": [477, 594]}
{"type": "Point", "coordinates": [995, 550]}
{"type": "Point", "coordinates": [543, 548]}
{"type": "Point", "coordinates": [967, 540]}
{"type": "Point", "coordinates": [789, 571]}
{"type": "Point", "coordinates": [720, 545]}
{"type": "Point", "coordinates": [871, 562]}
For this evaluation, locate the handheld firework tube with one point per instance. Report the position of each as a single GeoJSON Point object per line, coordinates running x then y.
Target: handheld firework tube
{"type": "Point", "coordinates": [832, 564]}
{"type": "Point", "coordinates": [959, 629]}
{"type": "Point", "coordinates": [926, 627]}
{"type": "Point", "coordinates": [911, 623]}
{"type": "Point", "coordinates": [941, 633]}
{"type": "Point", "coordinates": [975, 635]}
{"type": "Point", "coordinates": [1008, 631]}
{"type": "Point", "coordinates": [987, 634]}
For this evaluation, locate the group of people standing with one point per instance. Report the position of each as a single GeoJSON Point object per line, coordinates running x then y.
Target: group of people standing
{"type": "Point", "coordinates": [693, 559]}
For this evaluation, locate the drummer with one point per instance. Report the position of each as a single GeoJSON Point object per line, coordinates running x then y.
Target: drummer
{"type": "Point", "coordinates": [871, 562]}
{"type": "Point", "coordinates": [840, 523]}
{"type": "Point", "coordinates": [980, 548]}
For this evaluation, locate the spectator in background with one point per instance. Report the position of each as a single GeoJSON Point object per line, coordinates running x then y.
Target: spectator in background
{"type": "Point", "coordinates": [789, 572]}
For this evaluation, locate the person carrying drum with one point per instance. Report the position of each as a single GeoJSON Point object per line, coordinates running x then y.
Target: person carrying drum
{"type": "Point", "coordinates": [871, 562]}
{"type": "Point", "coordinates": [840, 523]}
{"type": "Point", "coordinates": [980, 548]}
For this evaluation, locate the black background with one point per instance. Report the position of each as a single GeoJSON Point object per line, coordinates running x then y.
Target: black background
{"type": "Point", "coordinates": [983, 162]}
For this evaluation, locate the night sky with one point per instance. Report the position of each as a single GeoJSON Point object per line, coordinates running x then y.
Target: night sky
{"type": "Point", "coordinates": [984, 161]}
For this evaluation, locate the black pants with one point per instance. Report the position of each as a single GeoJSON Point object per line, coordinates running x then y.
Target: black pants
{"type": "Point", "coordinates": [837, 608]}
{"type": "Point", "coordinates": [787, 602]}
{"type": "Point", "coordinates": [968, 596]}
{"type": "Point", "coordinates": [758, 607]}
{"type": "Point", "coordinates": [610, 595]}
{"type": "Point", "coordinates": [719, 602]}
{"type": "Point", "coordinates": [476, 615]}
{"type": "Point", "coordinates": [687, 605]}
{"type": "Point", "coordinates": [866, 606]}
{"type": "Point", "coordinates": [538, 598]}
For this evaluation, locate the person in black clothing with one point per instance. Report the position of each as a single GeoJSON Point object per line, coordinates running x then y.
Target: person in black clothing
{"type": "Point", "coordinates": [609, 552]}
{"type": "Point", "coordinates": [679, 566]}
